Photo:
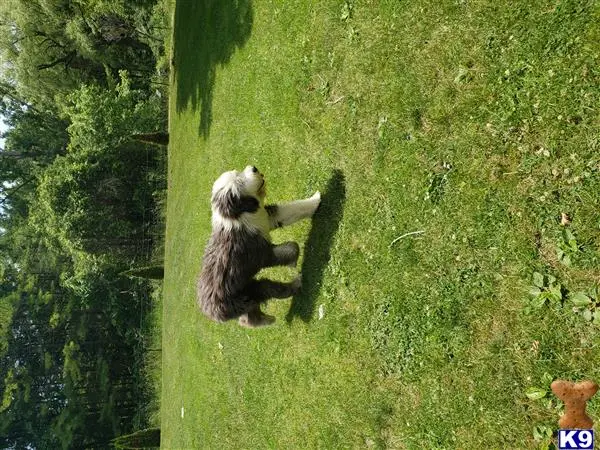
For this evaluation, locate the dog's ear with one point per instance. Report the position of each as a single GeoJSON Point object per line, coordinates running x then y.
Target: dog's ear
{"type": "Point", "coordinates": [247, 204]}
{"type": "Point", "coordinates": [233, 206]}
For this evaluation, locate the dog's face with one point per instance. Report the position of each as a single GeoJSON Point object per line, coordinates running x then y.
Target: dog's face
{"type": "Point", "coordinates": [235, 193]}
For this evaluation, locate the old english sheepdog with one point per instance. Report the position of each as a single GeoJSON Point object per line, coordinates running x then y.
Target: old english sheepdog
{"type": "Point", "coordinates": [240, 246]}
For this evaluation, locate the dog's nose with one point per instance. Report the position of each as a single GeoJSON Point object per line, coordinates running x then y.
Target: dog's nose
{"type": "Point", "coordinates": [254, 169]}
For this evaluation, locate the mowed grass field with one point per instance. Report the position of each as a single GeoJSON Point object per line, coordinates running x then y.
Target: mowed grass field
{"type": "Point", "coordinates": [473, 123]}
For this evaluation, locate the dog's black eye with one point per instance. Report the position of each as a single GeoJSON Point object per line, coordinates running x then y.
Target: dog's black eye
{"type": "Point", "coordinates": [254, 169]}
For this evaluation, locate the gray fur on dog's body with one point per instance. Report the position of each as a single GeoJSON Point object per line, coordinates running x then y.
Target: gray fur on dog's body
{"type": "Point", "coordinates": [231, 261]}
{"type": "Point", "coordinates": [240, 247]}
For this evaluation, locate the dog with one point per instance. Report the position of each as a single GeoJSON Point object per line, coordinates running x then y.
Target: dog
{"type": "Point", "coordinates": [240, 246]}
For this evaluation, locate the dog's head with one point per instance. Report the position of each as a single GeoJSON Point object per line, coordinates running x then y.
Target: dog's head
{"type": "Point", "coordinates": [235, 193]}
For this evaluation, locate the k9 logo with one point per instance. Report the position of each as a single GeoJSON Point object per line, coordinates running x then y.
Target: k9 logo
{"type": "Point", "coordinates": [575, 439]}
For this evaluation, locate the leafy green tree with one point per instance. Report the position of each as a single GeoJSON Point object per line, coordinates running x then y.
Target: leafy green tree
{"type": "Point", "coordinates": [53, 46]}
{"type": "Point", "coordinates": [104, 118]}
{"type": "Point", "coordinates": [76, 196]}
{"type": "Point", "coordinates": [94, 204]}
{"type": "Point", "coordinates": [43, 59]}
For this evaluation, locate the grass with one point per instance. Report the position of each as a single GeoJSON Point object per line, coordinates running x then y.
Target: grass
{"type": "Point", "coordinates": [474, 122]}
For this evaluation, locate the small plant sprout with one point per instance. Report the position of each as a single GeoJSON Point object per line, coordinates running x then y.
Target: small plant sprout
{"type": "Point", "coordinates": [567, 247]}
{"type": "Point", "coordinates": [536, 393]}
{"type": "Point", "coordinates": [346, 13]}
{"type": "Point", "coordinates": [545, 289]}
{"type": "Point", "coordinates": [587, 305]}
{"type": "Point", "coordinates": [543, 433]}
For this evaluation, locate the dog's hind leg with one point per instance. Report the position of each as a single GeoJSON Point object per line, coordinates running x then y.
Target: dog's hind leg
{"type": "Point", "coordinates": [288, 213]}
{"type": "Point", "coordinates": [255, 318]}
{"type": "Point", "coordinates": [285, 254]}
{"type": "Point", "coordinates": [262, 290]}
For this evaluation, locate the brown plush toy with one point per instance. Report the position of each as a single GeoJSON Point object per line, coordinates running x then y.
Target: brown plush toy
{"type": "Point", "coordinates": [574, 397]}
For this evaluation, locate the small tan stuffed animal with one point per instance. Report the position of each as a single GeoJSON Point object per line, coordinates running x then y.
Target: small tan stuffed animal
{"type": "Point", "coordinates": [574, 396]}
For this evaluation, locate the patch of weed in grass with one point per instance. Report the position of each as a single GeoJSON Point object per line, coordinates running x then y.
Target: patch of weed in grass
{"type": "Point", "coordinates": [412, 335]}
{"type": "Point", "coordinates": [396, 336]}
{"type": "Point", "coordinates": [587, 304]}
{"type": "Point", "coordinates": [438, 178]}
{"type": "Point", "coordinates": [546, 290]}
{"type": "Point", "coordinates": [347, 10]}
{"type": "Point", "coordinates": [567, 248]}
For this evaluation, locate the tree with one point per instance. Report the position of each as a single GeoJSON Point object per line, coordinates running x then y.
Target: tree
{"type": "Point", "coordinates": [94, 200]}
{"type": "Point", "coordinates": [40, 57]}
{"type": "Point", "coordinates": [101, 118]}
{"type": "Point", "coordinates": [75, 203]}
{"type": "Point", "coordinates": [53, 46]}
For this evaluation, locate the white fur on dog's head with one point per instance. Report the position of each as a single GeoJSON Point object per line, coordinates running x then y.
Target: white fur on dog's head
{"type": "Point", "coordinates": [247, 182]}
{"type": "Point", "coordinates": [227, 180]}
{"type": "Point", "coordinates": [237, 199]}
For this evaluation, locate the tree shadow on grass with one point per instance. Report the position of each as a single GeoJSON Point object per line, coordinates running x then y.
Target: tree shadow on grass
{"type": "Point", "coordinates": [325, 224]}
{"type": "Point", "coordinates": [206, 35]}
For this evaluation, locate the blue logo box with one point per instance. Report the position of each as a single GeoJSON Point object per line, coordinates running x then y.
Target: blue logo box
{"type": "Point", "coordinates": [575, 439]}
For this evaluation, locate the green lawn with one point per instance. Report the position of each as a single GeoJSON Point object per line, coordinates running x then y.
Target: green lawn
{"type": "Point", "coordinates": [475, 122]}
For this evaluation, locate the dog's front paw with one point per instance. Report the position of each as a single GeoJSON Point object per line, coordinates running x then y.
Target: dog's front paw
{"type": "Point", "coordinates": [316, 198]}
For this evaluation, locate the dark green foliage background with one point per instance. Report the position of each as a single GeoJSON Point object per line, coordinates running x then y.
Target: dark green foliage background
{"type": "Point", "coordinates": [80, 203]}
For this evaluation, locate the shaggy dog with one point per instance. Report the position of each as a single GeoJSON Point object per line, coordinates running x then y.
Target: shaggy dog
{"type": "Point", "coordinates": [240, 246]}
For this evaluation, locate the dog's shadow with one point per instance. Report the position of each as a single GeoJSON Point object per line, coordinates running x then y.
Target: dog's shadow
{"type": "Point", "coordinates": [325, 224]}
